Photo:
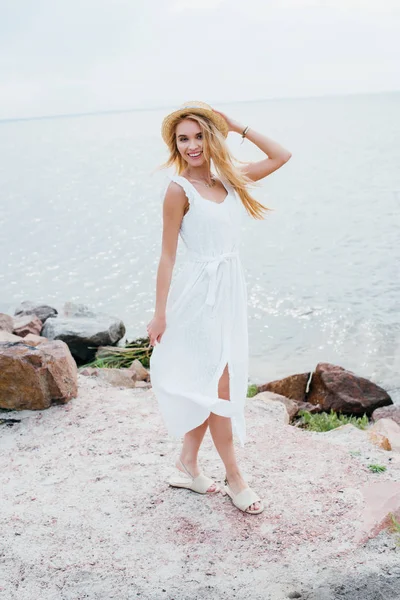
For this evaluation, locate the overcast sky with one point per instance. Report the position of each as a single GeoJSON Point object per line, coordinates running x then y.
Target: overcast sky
{"type": "Point", "coordinates": [72, 56]}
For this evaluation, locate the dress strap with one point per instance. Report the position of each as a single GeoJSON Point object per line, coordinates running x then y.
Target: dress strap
{"type": "Point", "coordinates": [186, 186]}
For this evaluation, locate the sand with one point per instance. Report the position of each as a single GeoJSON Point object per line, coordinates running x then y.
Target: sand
{"type": "Point", "coordinates": [87, 512]}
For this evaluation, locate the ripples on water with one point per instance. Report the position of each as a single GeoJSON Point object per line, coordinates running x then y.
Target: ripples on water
{"type": "Point", "coordinates": [81, 221]}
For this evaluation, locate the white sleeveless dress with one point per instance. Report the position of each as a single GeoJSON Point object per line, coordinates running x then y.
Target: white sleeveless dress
{"type": "Point", "coordinates": [206, 320]}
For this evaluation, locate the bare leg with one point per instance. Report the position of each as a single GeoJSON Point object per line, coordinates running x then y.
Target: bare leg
{"type": "Point", "coordinates": [190, 449]}
{"type": "Point", "coordinates": [221, 432]}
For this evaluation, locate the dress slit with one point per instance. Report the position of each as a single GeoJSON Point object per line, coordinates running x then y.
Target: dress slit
{"type": "Point", "coordinates": [206, 320]}
{"type": "Point", "coordinates": [229, 380]}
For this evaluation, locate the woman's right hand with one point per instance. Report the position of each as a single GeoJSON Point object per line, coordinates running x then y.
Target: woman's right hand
{"type": "Point", "coordinates": [155, 329]}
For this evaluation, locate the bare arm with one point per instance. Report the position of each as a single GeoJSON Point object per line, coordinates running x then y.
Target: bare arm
{"type": "Point", "coordinates": [277, 155]}
{"type": "Point", "coordinates": [173, 210]}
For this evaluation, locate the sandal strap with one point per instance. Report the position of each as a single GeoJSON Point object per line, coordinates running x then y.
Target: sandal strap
{"type": "Point", "coordinates": [187, 472]}
{"type": "Point", "coordinates": [201, 483]}
{"type": "Point", "coordinates": [245, 498]}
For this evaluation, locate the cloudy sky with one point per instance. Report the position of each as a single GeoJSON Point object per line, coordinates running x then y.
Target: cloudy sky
{"type": "Point", "coordinates": [72, 56]}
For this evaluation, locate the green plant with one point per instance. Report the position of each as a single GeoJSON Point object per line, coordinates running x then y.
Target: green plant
{"type": "Point", "coordinates": [252, 390]}
{"type": "Point", "coordinates": [327, 421]}
{"type": "Point", "coordinates": [377, 468]}
{"type": "Point", "coordinates": [121, 357]}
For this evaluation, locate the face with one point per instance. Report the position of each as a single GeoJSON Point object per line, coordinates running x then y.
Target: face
{"type": "Point", "coordinates": [189, 141]}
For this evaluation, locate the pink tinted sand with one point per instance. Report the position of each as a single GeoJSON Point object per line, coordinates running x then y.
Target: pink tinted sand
{"type": "Point", "coordinates": [87, 513]}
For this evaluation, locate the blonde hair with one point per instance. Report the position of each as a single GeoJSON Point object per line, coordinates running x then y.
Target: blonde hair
{"type": "Point", "coordinates": [215, 149]}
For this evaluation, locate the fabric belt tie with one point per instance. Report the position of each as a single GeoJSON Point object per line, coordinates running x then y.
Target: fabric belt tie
{"type": "Point", "coordinates": [213, 263]}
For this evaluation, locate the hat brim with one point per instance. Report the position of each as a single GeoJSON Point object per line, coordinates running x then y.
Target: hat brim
{"type": "Point", "coordinates": [218, 121]}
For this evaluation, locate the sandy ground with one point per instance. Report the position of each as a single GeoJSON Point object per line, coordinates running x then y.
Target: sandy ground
{"type": "Point", "coordinates": [86, 512]}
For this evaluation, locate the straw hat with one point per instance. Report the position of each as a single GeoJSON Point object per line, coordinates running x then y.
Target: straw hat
{"type": "Point", "coordinates": [200, 108]}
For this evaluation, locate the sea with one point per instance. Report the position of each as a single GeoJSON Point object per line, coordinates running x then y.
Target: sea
{"type": "Point", "coordinates": [81, 221]}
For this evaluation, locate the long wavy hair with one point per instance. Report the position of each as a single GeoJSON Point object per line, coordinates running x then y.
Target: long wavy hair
{"type": "Point", "coordinates": [215, 150]}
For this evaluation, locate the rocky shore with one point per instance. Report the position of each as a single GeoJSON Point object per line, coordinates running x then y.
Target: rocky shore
{"type": "Point", "coordinates": [87, 512]}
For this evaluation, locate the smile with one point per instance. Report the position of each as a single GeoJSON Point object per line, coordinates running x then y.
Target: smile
{"type": "Point", "coordinates": [194, 155]}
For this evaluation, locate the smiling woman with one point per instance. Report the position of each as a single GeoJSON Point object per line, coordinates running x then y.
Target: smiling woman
{"type": "Point", "coordinates": [189, 138]}
{"type": "Point", "coordinates": [199, 364]}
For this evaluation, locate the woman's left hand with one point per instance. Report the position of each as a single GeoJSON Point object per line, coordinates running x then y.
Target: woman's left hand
{"type": "Point", "coordinates": [232, 125]}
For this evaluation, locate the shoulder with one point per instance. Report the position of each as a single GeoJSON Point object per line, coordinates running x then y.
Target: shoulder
{"type": "Point", "coordinates": [179, 187]}
{"type": "Point", "coordinates": [174, 188]}
{"type": "Point", "coordinates": [175, 197]}
{"type": "Point", "coordinates": [174, 191]}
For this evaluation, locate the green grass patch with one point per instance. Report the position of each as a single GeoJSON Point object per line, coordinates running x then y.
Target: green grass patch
{"type": "Point", "coordinates": [327, 421]}
{"type": "Point", "coordinates": [252, 390]}
{"type": "Point", "coordinates": [377, 468]}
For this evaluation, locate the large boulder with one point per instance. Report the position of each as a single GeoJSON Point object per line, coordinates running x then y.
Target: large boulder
{"type": "Point", "coordinates": [336, 389]}
{"type": "Point", "coordinates": [6, 323]}
{"type": "Point", "coordinates": [42, 311]}
{"type": "Point", "coordinates": [27, 324]}
{"type": "Point", "coordinates": [293, 387]}
{"type": "Point", "coordinates": [85, 334]}
{"type": "Point", "coordinates": [35, 377]}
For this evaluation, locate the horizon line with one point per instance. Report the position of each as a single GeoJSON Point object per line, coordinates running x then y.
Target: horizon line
{"type": "Point", "coordinates": [167, 107]}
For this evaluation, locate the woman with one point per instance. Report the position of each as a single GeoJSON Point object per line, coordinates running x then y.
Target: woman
{"type": "Point", "coordinates": [199, 363]}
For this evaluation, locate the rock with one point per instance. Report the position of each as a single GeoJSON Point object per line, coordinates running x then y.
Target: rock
{"type": "Point", "coordinates": [118, 377]}
{"type": "Point", "coordinates": [34, 340]}
{"type": "Point", "coordinates": [6, 323]}
{"type": "Point", "coordinates": [77, 310]}
{"type": "Point", "coordinates": [143, 384]}
{"type": "Point", "coordinates": [379, 440]}
{"type": "Point", "coordinates": [311, 408]}
{"type": "Point", "coordinates": [42, 311]}
{"type": "Point", "coordinates": [142, 373]}
{"type": "Point", "coordinates": [9, 337]}
{"type": "Point", "coordinates": [389, 412]}
{"type": "Point", "coordinates": [27, 324]}
{"type": "Point", "coordinates": [35, 377]}
{"type": "Point", "coordinates": [291, 406]}
{"type": "Point", "coordinates": [89, 371]}
{"type": "Point", "coordinates": [84, 335]}
{"type": "Point", "coordinates": [385, 433]}
{"type": "Point", "coordinates": [335, 388]}
{"type": "Point", "coordinates": [276, 408]}
{"type": "Point", "coordinates": [293, 387]}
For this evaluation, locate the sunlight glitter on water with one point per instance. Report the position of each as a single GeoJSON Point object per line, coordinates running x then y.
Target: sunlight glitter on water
{"type": "Point", "coordinates": [322, 269]}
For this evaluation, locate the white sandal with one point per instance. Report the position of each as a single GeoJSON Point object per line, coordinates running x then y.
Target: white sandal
{"type": "Point", "coordinates": [244, 499]}
{"type": "Point", "coordinates": [199, 484]}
